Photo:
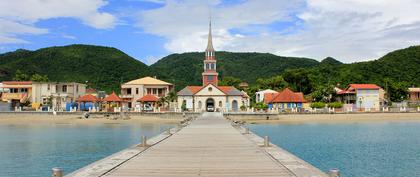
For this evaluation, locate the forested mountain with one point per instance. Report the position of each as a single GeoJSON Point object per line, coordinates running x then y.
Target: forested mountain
{"type": "Point", "coordinates": [186, 68]}
{"type": "Point", "coordinates": [105, 68]}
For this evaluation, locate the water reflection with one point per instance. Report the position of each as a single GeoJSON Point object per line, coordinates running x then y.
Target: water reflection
{"type": "Point", "coordinates": [32, 150]}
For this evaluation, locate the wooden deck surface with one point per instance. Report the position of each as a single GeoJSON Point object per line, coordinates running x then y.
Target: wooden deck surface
{"type": "Point", "coordinates": [210, 146]}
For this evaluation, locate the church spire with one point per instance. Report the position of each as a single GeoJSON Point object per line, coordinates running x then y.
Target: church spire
{"type": "Point", "coordinates": [210, 40]}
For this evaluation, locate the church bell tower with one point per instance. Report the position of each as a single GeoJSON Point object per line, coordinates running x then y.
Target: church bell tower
{"type": "Point", "coordinates": [210, 75]}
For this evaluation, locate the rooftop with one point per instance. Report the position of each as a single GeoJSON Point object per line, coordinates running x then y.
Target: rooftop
{"type": "Point", "coordinates": [147, 81]}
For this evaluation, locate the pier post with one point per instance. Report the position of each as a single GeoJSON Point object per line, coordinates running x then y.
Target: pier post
{"type": "Point", "coordinates": [247, 130]}
{"type": "Point", "coordinates": [143, 141]}
{"type": "Point", "coordinates": [57, 172]}
{"type": "Point", "coordinates": [334, 173]}
{"type": "Point", "coordinates": [266, 141]}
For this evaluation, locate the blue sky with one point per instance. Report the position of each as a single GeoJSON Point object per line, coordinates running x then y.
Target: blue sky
{"type": "Point", "coordinates": [349, 30]}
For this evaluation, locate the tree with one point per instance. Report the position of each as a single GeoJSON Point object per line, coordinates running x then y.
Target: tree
{"type": "Point", "coordinates": [299, 80]}
{"type": "Point", "coordinates": [274, 83]}
{"type": "Point", "coordinates": [230, 81]}
{"type": "Point", "coordinates": [398, 91]}
{"type": "Point", "coordinates": [39, 78]}
{"type": "Point", "coordinates": [20, 76]}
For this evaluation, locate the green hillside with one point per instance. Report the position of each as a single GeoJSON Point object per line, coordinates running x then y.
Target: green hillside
{"type": "Point", "coordinates": [186, 68]}
{"type": "Point", "coordinates": [102, 67]}
{"type": "Point", "coordinates": [105, 68]}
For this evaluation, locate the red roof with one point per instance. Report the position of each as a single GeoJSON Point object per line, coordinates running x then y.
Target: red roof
{"type": "Point", "coordinates": [88, 98]}
{"type": "Point", "coordinates": [17, 82]}
{"type": "Point", "coordinates": [363, 86]}
{"type": "Point", "coordinates": [148, 98]}
{"type": "Point", "coordinates": [112, 98]}
{"type": "Point", "coordinates": [225, 89]}
{"type": "Point", "coordinates": [286, 96]}
{"type": "Point", "coordinates": [195, 89]}
{"type": "Point", "coordinates": [91, 90]}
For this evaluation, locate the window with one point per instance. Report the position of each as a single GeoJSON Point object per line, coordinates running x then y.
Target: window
{"type": "Point", "coordinates": [149, 91]}
{"type": "Point", "coordinates": [154, 91]}
{"type": "Point", "coordinates": [199, 104]}
{"type": "Point", "coordinates": [207, 66]}
{"type": "Point", "coordinates": [64, 88]}
{"type": "Point", "coordinates": [129, 91]}
{"type": "Point", "coordinates": [137, 91]}
{"type": "Point", "coordinates": [77, 89]}
{"type": "Point", "coordinates": [48, 87]}
{"type": "Point", "coordinates": [220, 104]}
{"type": "Point", "coordinates": [209, 78]}
{"type": "Point", "coordinates": [210, 89]}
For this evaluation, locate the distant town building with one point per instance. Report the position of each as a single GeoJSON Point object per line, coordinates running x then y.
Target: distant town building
{"type": "Point", "coordinates": [414, 94]}
{"type": "Point", "coordinates": [286, 99]}
{"type": "Point", "coordinates": [210, 96]}
{"type": "Point", "coordinates": [363, 96]}
{"type": "Point", "coordinates": [133, 91]}
{"type": "Point", "coordinates": [259, 96]}
{"type": "Point", "coordinates": [18, 92]}
{"type": "Point", "coordinates": [56, 94]}
{"type": "Point", "coordinates": [60, 93]}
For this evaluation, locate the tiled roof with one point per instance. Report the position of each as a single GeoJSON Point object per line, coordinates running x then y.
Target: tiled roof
{"type": "Point", "coordinates": [364, 86]}
{"type": "Point", "coordinates": [228, 90]}
{"type": "Point", "coordinates": [112, 98]}
{"type": "Point", "coordinates": [88, 98]}
{"type": "Point", "coordinates": [414, 89]}
{"type": "Point", "coordinates": [147, 81]}
{"type": "Point", "coordinates": [286, 96]}
{"type": "Point", "coordinates": [149, 98]}
{"type": "Point", "coordinates": [17, 82]}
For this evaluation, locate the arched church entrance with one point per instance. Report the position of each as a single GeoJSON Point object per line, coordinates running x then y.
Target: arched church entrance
{"type": "Point", "coordinates": [210, 105]}
{"type": "Point", "coordinates": [235, 105]}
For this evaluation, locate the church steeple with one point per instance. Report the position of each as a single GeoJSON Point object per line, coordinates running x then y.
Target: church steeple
{"type": "Point", "coordinates": [210, 75]}
{"type": "Point", "coordinates": [210, 40]}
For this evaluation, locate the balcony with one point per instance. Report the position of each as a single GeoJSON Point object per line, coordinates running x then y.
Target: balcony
{"type": "Point", "coordinates": [14, 96]}
{"type": "Point", "coordinates": [126, 96]}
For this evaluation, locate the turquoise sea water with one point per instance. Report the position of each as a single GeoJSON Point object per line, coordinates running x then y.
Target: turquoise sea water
{"type": "Point", "coordinates": [376, 149]}
{"type": "Point", "coordinates": [32, 150]}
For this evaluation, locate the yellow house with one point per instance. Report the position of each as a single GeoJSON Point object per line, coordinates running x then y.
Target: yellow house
{"type": "Point", "coordinates": [133, 91]}
{"type": "Point", "coordinates": [19, 92]}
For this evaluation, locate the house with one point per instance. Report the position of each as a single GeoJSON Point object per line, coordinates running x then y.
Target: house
{"type": "Point", "coordinates": [18, 92]}
{"type": "Point", "coordinates": [59, 93]}
{"type": "Point", "coordinates": [414, 94]}
{"type": "Point", "coordinates": [210, 96]}
{"type": "Point", "coordinates": [133, 90]}
{"type": "Point", "coordinates": [284, 100]}
{"type": "Point", "coordinates": [362, 96]}
{"type": "Point", "coordinates": [56, 94]}
{"type": "Point", "coordinates": [259, 96]}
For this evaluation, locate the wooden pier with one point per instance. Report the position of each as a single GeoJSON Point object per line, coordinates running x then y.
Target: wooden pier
{"type": "Point", "coordinates": [209, 146]}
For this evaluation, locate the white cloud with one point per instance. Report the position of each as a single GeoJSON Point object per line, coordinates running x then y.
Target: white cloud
{"type": "Point", "coordinates": [19, 17]}
{"type": "Point", "coordinates": [350, 30]}
{"type": "Point", "coordinates": [149, 60]}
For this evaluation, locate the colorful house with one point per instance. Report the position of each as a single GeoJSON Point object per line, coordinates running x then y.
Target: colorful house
{"type": "Point", "coordinates": [414, 94]}
{"type": "Point", "coordinates": [286, 99]}
{"type": "Point", "coordinates": [210, 96]}
{"type": "Point", "coordinates": [132, 91]}
{"type": "Point", "coordinates": [363, 96]}
{"type": "Point", "coordinates": [18, 93]}
{"type": "Point", "coordinates": [259, 96]}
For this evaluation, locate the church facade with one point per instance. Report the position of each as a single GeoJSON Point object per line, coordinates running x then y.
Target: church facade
{"type": "Point", "coordinates": [209, 96]}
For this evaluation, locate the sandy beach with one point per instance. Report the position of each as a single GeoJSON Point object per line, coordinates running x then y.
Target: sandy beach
{"type": "Point", "coordinates": [330, 118]}
{"type": "Point", "coordinates": [76, 119]}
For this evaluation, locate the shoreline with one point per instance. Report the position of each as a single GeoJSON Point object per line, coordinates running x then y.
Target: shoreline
{"type": "Point", "coordinates": [328, 118]}
{"type": "Point", "coordinates": [15, 119]}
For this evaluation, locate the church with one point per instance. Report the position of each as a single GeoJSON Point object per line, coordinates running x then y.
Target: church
{"type": "Point", "coordinates": [209, 96]}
